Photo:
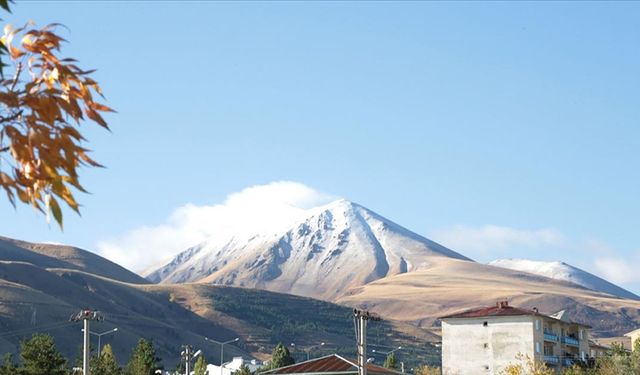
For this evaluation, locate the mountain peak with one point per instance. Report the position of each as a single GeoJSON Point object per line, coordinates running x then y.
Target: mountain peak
{"type": "Point", "coordinates": [335, 247]}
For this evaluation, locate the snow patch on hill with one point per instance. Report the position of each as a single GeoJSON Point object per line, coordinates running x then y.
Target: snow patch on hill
{"type": "Point", "coordinates": [563, 271]}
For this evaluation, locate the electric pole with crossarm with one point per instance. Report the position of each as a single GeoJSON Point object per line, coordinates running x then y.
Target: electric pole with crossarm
{"type": "Point", "coordinates": [86, 315]}
{"type": "Point", "coordinates": [360, 319]}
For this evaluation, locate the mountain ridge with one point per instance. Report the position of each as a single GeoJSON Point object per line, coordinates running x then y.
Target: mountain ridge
{"type": "Point", "coordinates": [562, 271]}
{"type": "Point", "coordinates": [337, 246]}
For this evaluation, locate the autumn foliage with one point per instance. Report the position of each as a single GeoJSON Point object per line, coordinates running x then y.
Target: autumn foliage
{"type": "Point", "coordinates": [44, 99]}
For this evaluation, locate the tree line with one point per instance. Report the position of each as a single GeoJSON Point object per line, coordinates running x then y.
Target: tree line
{"type": "Point", "coordinates": [39, 356]}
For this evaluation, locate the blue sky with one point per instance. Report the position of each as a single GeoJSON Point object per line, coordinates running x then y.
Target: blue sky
{"type": "Point", "coordinates": [500, 129]}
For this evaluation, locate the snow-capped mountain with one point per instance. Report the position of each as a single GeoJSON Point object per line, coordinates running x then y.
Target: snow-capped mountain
{"type": "Point", "coordinates": [336, 247]}
{"type": "Point", "coordinates": [566, 272]}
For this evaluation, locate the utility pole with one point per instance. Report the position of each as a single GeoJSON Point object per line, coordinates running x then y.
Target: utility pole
{"type": "Point", "coordinates": [187, 358]}
{"type": "Point", "coordinates": [360, 319]}
{"type": "Point", "coordinates": [86, 316]}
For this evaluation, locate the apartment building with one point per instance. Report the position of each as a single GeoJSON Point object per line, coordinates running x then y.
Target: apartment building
{"type": "Point", "coordinates": [486, 340]}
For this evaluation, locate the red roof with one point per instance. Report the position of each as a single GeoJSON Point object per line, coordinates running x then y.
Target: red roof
{"type": "Point", "coordinates": [330, 364]}
{"type": "Point", "coordinates": [500, 309]}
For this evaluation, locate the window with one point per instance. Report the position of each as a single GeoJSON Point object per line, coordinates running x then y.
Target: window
{"type": "Point", "coordinates": [486, 345]}
{"type": "Point", "coordinates": [582, 356]}
{"type": "Point", "coordinates": [580, 335]}
{"type": "Point", "coordinates": [537, 347]}
{"type": "Point", "coordinates": [537, 325]}
{"type": "Point", "coordinates": [485, 324]}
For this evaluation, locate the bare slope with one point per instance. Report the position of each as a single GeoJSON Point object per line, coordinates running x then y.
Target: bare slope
{"type": "Point", "coordinates": [61, 256]}
{"type": "Point", "coordinates": [566, 272]}
{"type": "Point", "coordinates": [41, 299]}
{"type": "Point", "coordinates": [338, 246]}
{"type": "Point", "coordinates": [454, 285]}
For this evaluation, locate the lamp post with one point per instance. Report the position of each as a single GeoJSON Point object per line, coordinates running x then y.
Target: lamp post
{"type": "Point", "coordinates": [100, 336]}
{"type": "Point", "coordinates": [311, 348]}
{"type": "Point", "coordinates": [222, 344]}
{"type": "Point", "coordinates": [388, 353]}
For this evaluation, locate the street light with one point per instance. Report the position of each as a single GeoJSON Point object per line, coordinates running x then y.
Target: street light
{"type": "Point", "coordinates": [311, 348]}
{"type": "Point", "coordinates": [100, 336]}
{"type": "Point", "coordinates": [307, 350]}
{"type": "Point", "coordinates": [222, 344]}
{"type": "Point", "coordinates": [386, 353]}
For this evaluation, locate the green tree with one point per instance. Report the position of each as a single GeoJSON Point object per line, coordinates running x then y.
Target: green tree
{"type": "Point", "coordinates": [390, 361]}
{"type": "Point", "coordinates": [143, 360]}
{"type": "Point", "coordinates": [200, 368]}
{"type": "Point", "coordinates": [635, 357]}
{"type": "Point", "coordinates": [40, 356]}
{"type": "Point", "coordinates": [617, 361]}
{"type": "Point", "coordinates": [280, 357]}
{"type": "Point", "coordinates": [8, 365]}
{"type": "Point", "coordinates": [243, 370]}
{"type": "Point", "coordinates": [106, 363]}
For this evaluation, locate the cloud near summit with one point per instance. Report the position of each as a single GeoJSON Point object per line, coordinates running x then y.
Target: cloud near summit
{"type": "Point", "coordinates": [254, 209]}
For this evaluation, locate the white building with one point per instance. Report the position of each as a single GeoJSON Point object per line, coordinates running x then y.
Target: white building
{"type": "Point", "coordinates": [229, 368]}
{"type": "Point", "coordinates": [634, 336]}
{"type": "Point", "coordinates": [486, 340]}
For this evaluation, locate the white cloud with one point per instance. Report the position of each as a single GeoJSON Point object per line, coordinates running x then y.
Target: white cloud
{"type": "Point", "coordinates": [618, 270]}
{"type": "Point", "coordinates": [255, 209]}
{"type": "Point", "coordinates": [489, 241]}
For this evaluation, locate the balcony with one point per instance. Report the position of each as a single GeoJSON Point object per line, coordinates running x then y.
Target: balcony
{"type": "Point", "coordinates": [568, 362]}
{"type": "Point", "coordinates": [550, 336]}
{"type": "Point", "coordinates": [551, 360]}
{"type": "Point", "coordinates": [568, 340]}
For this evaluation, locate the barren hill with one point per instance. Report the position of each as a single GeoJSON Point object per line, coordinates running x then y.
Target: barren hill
{"type": "Point", "coordinates": [348, 254]}
{"type": "Point", "coordinates": [40, 292]}
{"type": "Point", "coordinates": [453, 285]}
{"type": "Point", "coordinates": [67, 257]}
{"type": "Point", "coordinates": [562, 271]}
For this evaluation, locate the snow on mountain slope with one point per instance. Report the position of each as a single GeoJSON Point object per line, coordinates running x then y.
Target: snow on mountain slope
{"type": "Point", "coordinates": [563, 271]}
{"type": "Point", "coordinates": [338, 246]}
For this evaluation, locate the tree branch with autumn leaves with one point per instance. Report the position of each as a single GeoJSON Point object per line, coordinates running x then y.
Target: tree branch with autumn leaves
{"type": "Point", "coordinates": [42, 106]}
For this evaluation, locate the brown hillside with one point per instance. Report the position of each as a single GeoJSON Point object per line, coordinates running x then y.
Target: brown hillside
{"type": "Point", "coordinates": [68, 257]}
{"type": "Point", "coordinates": [453, 285]}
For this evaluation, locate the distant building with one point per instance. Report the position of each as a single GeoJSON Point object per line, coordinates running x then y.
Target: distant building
{"type": "Point", "coordinates": [634, 336]}
{"type": "Point", "coordinates": [229, 368]}
{"type": "Point", "coordinates": [597, 350]}
{"type": "Point", "coordinates": [486, 340]}
{"type": "Point", "coordinates": [332, 364]}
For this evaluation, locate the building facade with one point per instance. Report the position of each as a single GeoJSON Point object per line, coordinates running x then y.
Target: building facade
{"type": "Point", "coordinates": [634, 336]}
{"type": "Point", "coordinates": [487, 340]}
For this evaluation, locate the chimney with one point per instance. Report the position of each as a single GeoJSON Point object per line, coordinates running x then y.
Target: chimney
{"type": "Point", "coordinates": [502, 304]}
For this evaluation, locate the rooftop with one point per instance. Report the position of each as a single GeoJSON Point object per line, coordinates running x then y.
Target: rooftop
{"type": "Point", "coordinates": [634, 332]}
{"type": "Point", "coordinates": [502, 308]}
{"type": "Point", "coordinates": [331, 364]}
